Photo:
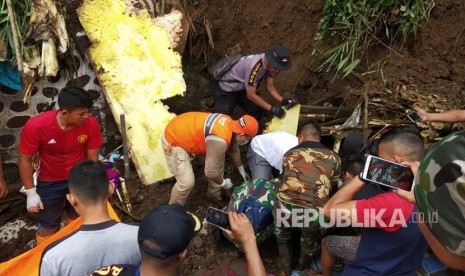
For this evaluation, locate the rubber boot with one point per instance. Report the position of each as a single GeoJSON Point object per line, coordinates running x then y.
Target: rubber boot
{"type": "Point", "coordinates": [305, 261]}
{"type": "Point", "coordinates": [285, 254]}
{"type": "Point", "coordinates": [41, 239]}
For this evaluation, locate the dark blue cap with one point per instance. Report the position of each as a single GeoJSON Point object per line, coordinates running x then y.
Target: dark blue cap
{"type": "Point", "coordinates": [169, 228]}
{"type": "Point", "coordinates": [278, 57]}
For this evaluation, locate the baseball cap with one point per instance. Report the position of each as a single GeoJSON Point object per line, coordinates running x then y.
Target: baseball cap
{"type": "Point", "coordinates": [170, 227]}
{"type": "Point", "coordinates": [246, 124]}
{"type": "Point", "coordinates": [278, 57]}
{"type": "Point", "coordinates": [440, 191]}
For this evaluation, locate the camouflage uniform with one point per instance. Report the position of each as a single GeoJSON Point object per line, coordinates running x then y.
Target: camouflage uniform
{"type": "Point", "coordinates": [267, 197]}
{"type": "Point", "coordinates": [440, 187]}
{"type": "Point", "coordinates": [309, 172]}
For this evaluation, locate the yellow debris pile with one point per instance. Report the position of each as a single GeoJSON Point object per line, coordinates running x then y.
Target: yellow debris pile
{"type": "Point", "coordinates": [137, 67]}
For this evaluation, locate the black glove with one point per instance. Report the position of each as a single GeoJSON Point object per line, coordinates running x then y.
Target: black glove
{"type": "Point", "coordinates": [288, 102]}
{"type": "Point", "coordinates": [277, 111]}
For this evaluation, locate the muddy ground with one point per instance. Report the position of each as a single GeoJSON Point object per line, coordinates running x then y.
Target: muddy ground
{"type": "Point", "coordinates": [431, 62]}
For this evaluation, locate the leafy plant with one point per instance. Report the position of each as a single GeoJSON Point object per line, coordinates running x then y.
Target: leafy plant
{"type": "Point", "coordinates": [23, 13]}
{"type": "Point", "coordinates": [353, 25]}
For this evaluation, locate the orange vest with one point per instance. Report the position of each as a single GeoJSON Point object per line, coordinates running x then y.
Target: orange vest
{"type": "Point", "coordinates": [190, 129]}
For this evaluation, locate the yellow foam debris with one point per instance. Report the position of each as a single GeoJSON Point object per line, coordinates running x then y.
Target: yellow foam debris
{"type": "Point", "coordinates": [136, 67]}
{"type": "Point", "coordinates": [288, 123]}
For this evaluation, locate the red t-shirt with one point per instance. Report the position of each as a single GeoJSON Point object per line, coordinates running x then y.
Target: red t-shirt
{"type": "Point", "coordinates": [58, 150]}
{"type": "Point", "coordinates": [387, 211]}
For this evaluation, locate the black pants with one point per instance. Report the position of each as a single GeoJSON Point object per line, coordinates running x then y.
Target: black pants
{"type": "Point", "coordinates": [225, 102]}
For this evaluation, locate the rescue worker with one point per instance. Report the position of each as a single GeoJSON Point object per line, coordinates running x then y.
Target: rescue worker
{"type": "Point", "coordinates": [309, 171]}
{"type": "Point", "coordinates": [60, 139]}
{"type": "Point", "coordinates": [239, 84]}
{"type": "Point", "coordinates": [210, 134]}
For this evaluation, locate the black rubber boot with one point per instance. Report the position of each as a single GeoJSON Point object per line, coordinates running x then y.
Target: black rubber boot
{"type": "Point", "coordinates": [305, 261]}
{"type": "Point", "coordinates": [285, 254]}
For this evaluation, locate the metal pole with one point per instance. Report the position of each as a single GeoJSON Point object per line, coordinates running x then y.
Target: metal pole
{"type": "Point", "coordinates": [125, 146]}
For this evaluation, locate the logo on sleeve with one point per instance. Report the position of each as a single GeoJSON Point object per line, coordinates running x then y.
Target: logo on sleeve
{"type": "Point", "coordinates": [82, 138]}
{"type": "Point", "coordinates": [253, 74]}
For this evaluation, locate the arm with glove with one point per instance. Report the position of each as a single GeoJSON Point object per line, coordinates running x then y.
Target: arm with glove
{"type": "Point", "coordinates": [214, 161]}
{"type": "Point", "coordinates": [34, 203]}
{"type": "Point", "coordinates": [235, 154]}
{"type": "Point", "coordinates": [279, 111]}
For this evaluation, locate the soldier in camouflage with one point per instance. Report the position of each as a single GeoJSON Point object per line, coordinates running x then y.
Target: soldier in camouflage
{"type": "Point", "coordinates": [267, 196]}
{"type": "Point", "coordinates": [440, 190]}
{"type": "Point", "coordinates": [309, 171]}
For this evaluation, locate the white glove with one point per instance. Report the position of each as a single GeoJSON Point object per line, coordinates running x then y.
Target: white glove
{"type": "Point", "coordinates": [34, 204]}
{"type": "Point", "coordinates": [227, 184]}
{"type": "Point", "coordinates": [243, 173]}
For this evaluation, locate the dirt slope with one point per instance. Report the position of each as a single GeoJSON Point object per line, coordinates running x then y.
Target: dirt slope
{"type": "Point", "coordinates": [433, 60]}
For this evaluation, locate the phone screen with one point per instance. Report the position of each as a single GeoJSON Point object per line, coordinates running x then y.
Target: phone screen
{"type": "Point", "coordinates": [388, 173]}
{"type": "Point", "coordinates": [414, 117]}
{"type": "Point", "coordinates": [218, 218]}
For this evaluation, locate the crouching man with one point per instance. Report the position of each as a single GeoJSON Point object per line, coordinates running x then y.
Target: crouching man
{"type": "Point", "coordinates": [309, 171]}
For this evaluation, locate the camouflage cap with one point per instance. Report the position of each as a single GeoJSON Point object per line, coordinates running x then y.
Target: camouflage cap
{"type": "Point", "coordinates": [440, 192]}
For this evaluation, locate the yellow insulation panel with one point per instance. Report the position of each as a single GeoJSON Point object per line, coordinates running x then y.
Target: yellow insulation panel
{"type": "Point", "coordinates": [136, 67]}
{"type": "Point", "coordinates": [288, 123]}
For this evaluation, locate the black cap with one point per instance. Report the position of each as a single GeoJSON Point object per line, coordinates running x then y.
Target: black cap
{"type": "Point", "coordinates": [278, 57]}
{"type": "Point", "coordinates": [170, 227]}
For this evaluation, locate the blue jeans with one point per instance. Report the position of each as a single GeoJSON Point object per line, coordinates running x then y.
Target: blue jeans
{"type": "Point", "coordinates": [53, 196]}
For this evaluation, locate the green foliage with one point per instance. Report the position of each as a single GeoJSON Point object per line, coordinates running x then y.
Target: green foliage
{"type": "Point", "coordinates": [23, 12]}
{"type": "Point", "coordinates": [353, 25]}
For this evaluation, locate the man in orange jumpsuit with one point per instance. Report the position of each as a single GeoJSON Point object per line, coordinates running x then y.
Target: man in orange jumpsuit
{"type": "Point", "coordinates": [210, 134]}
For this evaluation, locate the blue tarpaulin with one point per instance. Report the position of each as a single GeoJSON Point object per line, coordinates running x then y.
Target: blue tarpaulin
{"type": "Point", "coordinates": [10, 76]}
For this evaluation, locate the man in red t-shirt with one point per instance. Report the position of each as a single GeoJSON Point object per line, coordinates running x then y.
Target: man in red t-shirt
{"type": "Point", "coordinates": [391, 243]}
{"type": "Point", "coordinates": [60, 139]}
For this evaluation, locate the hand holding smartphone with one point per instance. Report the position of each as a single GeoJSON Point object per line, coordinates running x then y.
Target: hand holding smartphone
{"type": "Point", "coordinates": [387, 173]}
{"type": "Point", "coordinates": [414, 117]}
{"type": "Point", "coordinates": [218, 218]}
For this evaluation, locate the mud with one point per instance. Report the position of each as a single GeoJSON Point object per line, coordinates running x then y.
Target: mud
{"type": "Point", "coordinates": [432, 62]}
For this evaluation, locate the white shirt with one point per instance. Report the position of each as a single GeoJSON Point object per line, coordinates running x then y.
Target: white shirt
{"type": "Point", "coordinates": [272, 146]}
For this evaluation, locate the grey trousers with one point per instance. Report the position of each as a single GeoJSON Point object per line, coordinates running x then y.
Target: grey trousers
{"type": "Point", "coordinates": [258, 165]}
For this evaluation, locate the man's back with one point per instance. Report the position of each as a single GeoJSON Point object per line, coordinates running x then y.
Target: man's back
{"type": "Point", "coordinates": [309, 170]}
{"type": "Point", "coordinates": [272, 146]}
{"type": "Point", "coordinates": [188, 130]}
{"type": "Point", "coordinates": [390, 250]}
{"type": "Point", "coordinates": [91, 247]}
{"type": "Point", "coordinates": [249, 70]}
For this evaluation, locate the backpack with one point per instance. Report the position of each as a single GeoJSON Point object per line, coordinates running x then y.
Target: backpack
{"type": "Point", "coordinates": [258, 215]}
{"type": "Point", "coordinates": [222, 66]}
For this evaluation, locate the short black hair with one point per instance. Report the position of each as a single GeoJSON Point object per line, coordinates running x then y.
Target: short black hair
{"type": "Point", "coordinates": [310, 128]}
{"type": "Point", "coordinates": [88, 180]}
{"type": "Point", "coordinates": [72, 97]}
{"type": "Point", "coordinates": [405, 140]}
{"type": "Point", "coordinates": [354, 167]}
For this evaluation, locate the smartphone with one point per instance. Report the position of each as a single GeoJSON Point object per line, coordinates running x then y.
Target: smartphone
{"type": "Point", "coordinates": [218, 218]}
{"type": "Point", "coordinates": [387, 173]}
{"type": "Point", "coordinates": [414, 117]}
